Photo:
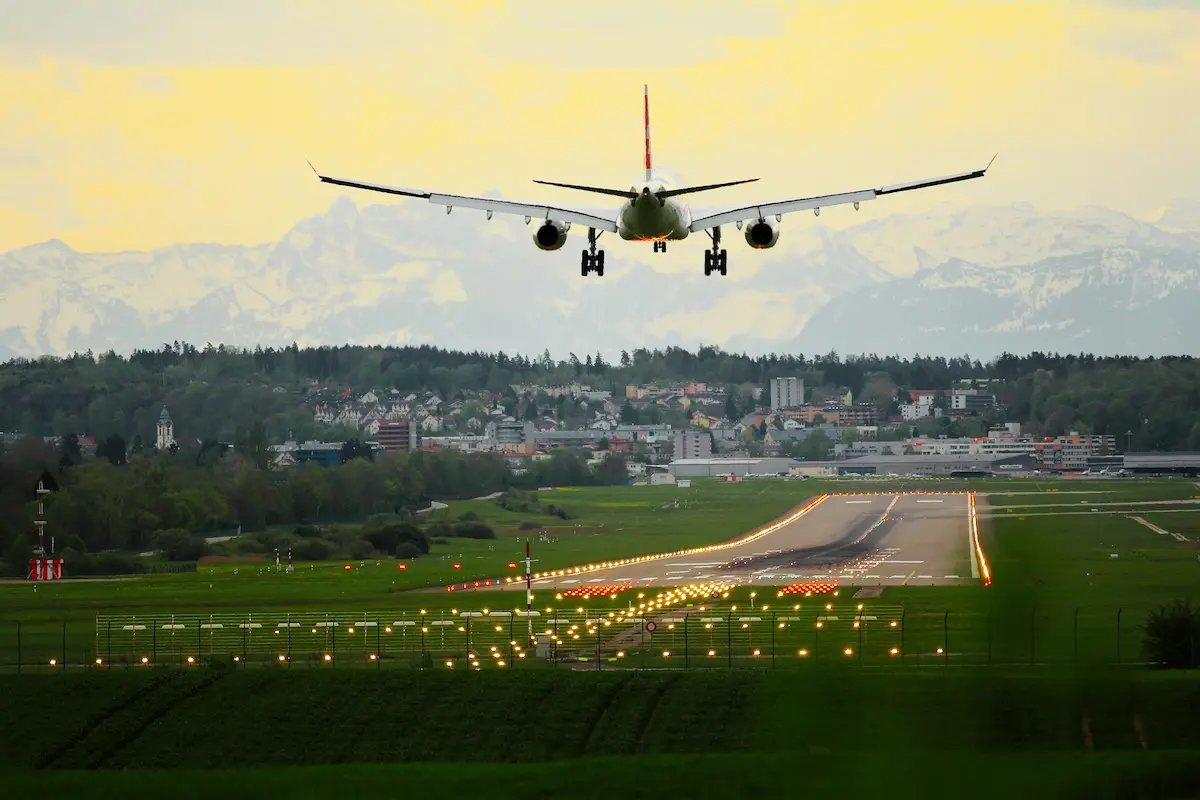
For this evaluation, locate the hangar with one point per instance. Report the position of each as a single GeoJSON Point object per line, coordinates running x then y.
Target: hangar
{"type": "Point", "coordinates": [1162, 463]}
{"type": "Point", "coordinates": [958, 465]}
{"type": "Point", "coordinates": [716, 467]}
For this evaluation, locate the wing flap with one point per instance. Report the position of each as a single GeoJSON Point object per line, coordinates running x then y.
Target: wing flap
{"type": "Point", "coordinates": [534, 210]}
{"type": "Point", "coordinates": [764, 210]}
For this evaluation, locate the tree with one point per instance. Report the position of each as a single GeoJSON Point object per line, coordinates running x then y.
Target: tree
{"type": "Point", "coordinates": [69, 453]}
{"type": "Point", "coordinates": [252, 445]}
{"type": "Point", "coordinates": [112, 449]}
{"type": "Point", "coordinates": [1172, 636]}
{"type": "Point", "coordinates": [355, 448]}
{"type": "Point", "coordinates": [629, 414]}
{"type": "Point", "coordinates": [732, 409]}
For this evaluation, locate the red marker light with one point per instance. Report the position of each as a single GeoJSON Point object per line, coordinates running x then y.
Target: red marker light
{"type": "Point", "coordinates": [347, 568]}
{"type": "Point", "coordinates": [512, 565]}
{"type": "Point", "coordinates": [456, 566]}
{"type": "Point", "coordinates": [402, 566]}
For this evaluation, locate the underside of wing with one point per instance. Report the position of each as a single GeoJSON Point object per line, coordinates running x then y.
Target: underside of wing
{"type": "Point", "coordinates": [590, 218]}
{"type": "Point", "coordinates": [705, 220]}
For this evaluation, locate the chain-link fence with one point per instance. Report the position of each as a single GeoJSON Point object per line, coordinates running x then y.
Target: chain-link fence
{"type": "Point", "coordinates": [814, 632]}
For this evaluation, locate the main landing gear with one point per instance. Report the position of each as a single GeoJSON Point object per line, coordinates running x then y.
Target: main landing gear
{"type": "Point", "coordinates": [660, 247]}
{"type": "Point", "coordinates": [716, 260]}
{"type": "Point", "coordinates": [593, 259]}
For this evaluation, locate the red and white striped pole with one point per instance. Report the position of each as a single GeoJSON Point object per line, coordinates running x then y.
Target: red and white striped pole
{"type": "Point", "coordinates": [529, 594]}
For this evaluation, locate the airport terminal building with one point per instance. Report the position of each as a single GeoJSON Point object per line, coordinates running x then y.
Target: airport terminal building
{"type": "Point", "coordinates": [972, 465]}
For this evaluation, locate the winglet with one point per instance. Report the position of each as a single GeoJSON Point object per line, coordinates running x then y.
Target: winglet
{"type": "Point", "coordinates": [314, 169]}
{"type": "Point", "coordinates": [989, 166]}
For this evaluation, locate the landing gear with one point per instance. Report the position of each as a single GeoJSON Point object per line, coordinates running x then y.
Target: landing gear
{"type": "Point", "coordinates": [593, 259]}
{"type": "Point", "coordinates": [716, 260]}
{"type": "Point", "coordinates": [660, 247]}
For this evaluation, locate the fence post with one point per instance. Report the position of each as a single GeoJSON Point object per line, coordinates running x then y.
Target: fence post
{"type": "Point", "coordinates": [597, 642]}
{"type": "Point", "coordinates": [774, 614]}
{"type": "Point", "coordinates": [18, 648]}
{"type": "Point", "coordinates": [1076, 634]}
{"type": "Point", "coordinates": [1032, 635]}
{"type": "Point", "coordinates": [685, 640]}
{"type": "Point", "coordinates": [861, 626]}
{"type": "Point", "coordinates": [379, 650]}
{"type": "Point", "coordinates": [1119, 610]}
{"type": "Point", "coordinates": [245, 632]}
{"type": "Point", "coordinates": [946, 638]}
{"type": "Point", "coordinates": [108, 637]}
{"type": "Point", "coordinates": [729, 639]}
{"type": "Point", "coordinates": [64, 646]}
{"type": "Point", "coordinates": [903, 611]}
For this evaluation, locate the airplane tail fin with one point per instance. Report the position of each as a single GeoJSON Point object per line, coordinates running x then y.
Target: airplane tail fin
{"type": "Point", "coordinates": [646, 107]}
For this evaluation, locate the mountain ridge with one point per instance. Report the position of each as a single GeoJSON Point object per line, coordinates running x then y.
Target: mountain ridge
{"type": "Point", "coordinates": [407, 273]}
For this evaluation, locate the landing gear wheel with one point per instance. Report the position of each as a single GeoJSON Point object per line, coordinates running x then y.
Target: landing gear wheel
{"type": "Point", "coordinates": [592, 260]}
{"type": "Point", "coordinates": [716, 260]}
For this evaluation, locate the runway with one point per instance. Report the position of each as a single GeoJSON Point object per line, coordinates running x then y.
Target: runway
{"type": "Point", "coordinates": [866, 539]}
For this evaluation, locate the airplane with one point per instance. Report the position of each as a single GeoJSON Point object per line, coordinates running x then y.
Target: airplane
{"type": "Point", "coordinates": [650, 212]}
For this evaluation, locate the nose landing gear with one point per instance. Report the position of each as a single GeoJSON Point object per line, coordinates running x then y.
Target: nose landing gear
{"type": "Point", "coordinates": [660, 247]}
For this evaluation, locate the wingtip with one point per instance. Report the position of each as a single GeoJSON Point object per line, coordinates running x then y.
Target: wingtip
{"type": "Point", "coordinates": [310, 166]}
{"type": "Point", "coordinates": [989, 164]}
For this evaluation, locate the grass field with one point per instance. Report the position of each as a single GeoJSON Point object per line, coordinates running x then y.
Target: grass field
{"type": "Point", "coordinates": [1045, 568]}
{"type": "Point", "coordinates": [916, 723]}
{"type": "Point", "coordinates": [904, 735]}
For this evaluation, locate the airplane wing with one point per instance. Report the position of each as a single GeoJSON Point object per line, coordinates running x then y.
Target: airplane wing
{"type": "Point", "coordinates": [764, 210]}
{"type": "Point", "coordinates": [489, 204]}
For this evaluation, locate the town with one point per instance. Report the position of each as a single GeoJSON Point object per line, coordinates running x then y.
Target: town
{"type": "Point", "coordinates": [664, 432]}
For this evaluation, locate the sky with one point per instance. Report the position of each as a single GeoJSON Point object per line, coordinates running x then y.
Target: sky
{"type": "Point", "coordinates": [133, 124]}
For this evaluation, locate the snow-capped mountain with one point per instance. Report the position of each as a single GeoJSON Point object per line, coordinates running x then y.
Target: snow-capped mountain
{"type": "Point", "coordinates": [1113, 300]}
{"type": "Point", "coordinates": [981, 279]}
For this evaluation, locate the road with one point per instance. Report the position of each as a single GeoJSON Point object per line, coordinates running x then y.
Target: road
{"type": "Point", "coordinates": [867, 539]}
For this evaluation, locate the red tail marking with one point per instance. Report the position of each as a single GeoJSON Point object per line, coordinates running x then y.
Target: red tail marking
{"type": "Point", "coordinates": [646, 105]}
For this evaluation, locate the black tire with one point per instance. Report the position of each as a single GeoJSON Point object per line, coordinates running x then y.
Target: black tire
{"type": "Point", "coordinates": [600, 271]}
{"type": "Point", "coordinates": [664, 247]}
{"type": "Point", "coordinates": [585, 267]}
{"type": "Point", "coordinates": [600, 261]}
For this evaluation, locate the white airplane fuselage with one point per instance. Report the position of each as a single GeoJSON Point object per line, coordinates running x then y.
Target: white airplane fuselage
{"type": "Point", "coordinates": [648, 219]}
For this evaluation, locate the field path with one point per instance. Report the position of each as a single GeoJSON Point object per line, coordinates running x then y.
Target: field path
{"type": "Point", "coordinates": [1159, 530]}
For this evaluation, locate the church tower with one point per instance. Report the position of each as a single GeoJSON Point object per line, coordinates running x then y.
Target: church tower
{"type": "Point", "coordinates": [166, 431]}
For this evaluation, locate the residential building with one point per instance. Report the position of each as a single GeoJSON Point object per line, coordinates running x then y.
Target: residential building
{"type": "Point", "coordinates": [693, 445]}
{"type": "Point", "coordinates": [786, 393]}
{"type": "Point", "coordinates": [1070, 453]}
{"type": "Point", "coordinates": [512, 437]}
{"type": "Point", "coordinates": [967, 401]}
{"type": "Point", "coordinates": [399, 436]}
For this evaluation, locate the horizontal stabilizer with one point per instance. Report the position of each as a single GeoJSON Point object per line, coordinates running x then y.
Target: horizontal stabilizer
{"type": "Point", "coordinates": [689, 189]}
{"type": "Point", "coordinates": [596, 189]}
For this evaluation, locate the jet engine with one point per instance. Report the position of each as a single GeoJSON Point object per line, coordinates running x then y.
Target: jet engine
{"type": "Point", "coordinates": [762, 233]}
{"type": "Point", "coordinates": [551, 235]}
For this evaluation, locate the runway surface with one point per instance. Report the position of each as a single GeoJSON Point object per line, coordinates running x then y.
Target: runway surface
{"type": "Point", "coordinates": [867, 539]}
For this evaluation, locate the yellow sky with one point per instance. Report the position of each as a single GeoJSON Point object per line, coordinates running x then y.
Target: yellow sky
{"type": "Point", "coordinates": [132, 124]}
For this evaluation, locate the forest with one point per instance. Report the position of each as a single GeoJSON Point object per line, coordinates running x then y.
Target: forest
{"type": "Point", "coordinates": [166, 501]}
{"type": "Point", "coordinates": [215, 392]}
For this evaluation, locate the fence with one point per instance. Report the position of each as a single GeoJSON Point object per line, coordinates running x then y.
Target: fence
{"type": "Point", "coordinates": [813, 632]}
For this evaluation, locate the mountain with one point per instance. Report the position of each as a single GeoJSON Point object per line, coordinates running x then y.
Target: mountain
{"type": "Point", "coordinates": [409, 273]}
{"type": "Point", "coordinates": [1112, 300]}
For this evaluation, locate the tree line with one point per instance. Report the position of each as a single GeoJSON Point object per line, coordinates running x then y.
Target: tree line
{"type": "Point", "coordinates": [97, 505]}
{"type": "Point", "coordinates": [213, 392]}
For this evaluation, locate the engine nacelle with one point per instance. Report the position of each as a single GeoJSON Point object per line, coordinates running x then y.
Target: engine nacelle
{"type": "Point", "coordinates": [551, 235]}
{"type": "Point", "coordinates": [762, 233]}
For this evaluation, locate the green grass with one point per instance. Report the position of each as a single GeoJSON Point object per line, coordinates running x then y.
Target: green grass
{"type": "Point", "coordinates": [1045, 567]}
{"type": "Point", "coordinates": [1099, 776]}
{"type": "Point", "coordinates": [218, 719]}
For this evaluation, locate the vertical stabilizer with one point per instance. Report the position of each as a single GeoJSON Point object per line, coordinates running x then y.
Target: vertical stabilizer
{"type": "Point", "coordinates": [646, 106]}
